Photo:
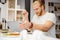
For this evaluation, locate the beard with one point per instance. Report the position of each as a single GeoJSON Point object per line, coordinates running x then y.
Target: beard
{"type": "Point", "coordinates": [39, 13]}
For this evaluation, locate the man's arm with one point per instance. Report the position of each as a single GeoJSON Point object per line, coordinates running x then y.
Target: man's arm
{"type": "Point", "coordinates": [25, 16]}
{"type": "Point", "coordinates": [44, 27]}
{"type": "Point", "coordinates": [25, 22]}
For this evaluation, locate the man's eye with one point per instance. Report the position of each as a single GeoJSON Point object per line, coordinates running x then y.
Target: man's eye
{"type": "Point", "coordinates": [37, 9]}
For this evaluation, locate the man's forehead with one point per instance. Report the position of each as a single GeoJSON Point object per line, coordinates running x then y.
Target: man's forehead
{"type": "Point", "coordinates": [36, 6]}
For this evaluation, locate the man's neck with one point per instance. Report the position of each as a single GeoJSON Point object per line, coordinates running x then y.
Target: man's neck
{"type": "Point", "coordinates": [43, 13]}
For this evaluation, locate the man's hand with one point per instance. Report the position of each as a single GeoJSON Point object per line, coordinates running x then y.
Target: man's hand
{"type": "Point", "coordinates": [25, 25]}
{"type": "Point", "coordinates": [29, 26]}
{"type": "Point", "coordinates": [25, 22]}
{"type": "Point", "coordinates": [22, 26]}
{"type": "Point", "coordinates": [25, 15]}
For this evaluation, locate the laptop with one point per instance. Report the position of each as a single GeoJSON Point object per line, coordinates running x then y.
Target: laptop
{"type": "Point", "coordinates": [13, 26]}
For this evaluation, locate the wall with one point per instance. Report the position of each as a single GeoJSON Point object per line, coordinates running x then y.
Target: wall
{"type": "Point", "coordinates": [21, 3]}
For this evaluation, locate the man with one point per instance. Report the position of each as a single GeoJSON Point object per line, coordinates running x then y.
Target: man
{"type": "Point", "coordinates": [42, 21]}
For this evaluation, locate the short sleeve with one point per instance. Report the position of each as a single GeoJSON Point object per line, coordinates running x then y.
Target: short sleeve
{"type": "Point", "coordinates": [52, 17]}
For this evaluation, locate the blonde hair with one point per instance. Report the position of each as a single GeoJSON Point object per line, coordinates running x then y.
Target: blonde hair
{"type": "Point", "coordinates": [38, 2]}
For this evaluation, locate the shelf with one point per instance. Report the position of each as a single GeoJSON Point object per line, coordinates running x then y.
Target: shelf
{"type": "Point", "coordinates": [16, 9]}
{"type": "Point", "coordinates": [11, 9]}
{"type": "Point", "coordinates": [57, 14]}
{"type": "Point", "coordinates": [58, 32]}
{"type": "Point", "coordinates": [18, 16]}
{"type": "Point", "coordinates": [19, 9]}
{"type": "Point", "coordinates": [58, 23]}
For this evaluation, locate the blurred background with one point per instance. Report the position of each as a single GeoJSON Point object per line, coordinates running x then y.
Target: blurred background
{"type": "Point", "coordinates": [10, 10]}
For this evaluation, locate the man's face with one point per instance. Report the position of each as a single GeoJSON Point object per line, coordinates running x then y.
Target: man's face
{"type": "Point", "coordinates": [38, 9]}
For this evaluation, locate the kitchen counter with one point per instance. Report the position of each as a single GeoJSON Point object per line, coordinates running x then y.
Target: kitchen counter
{"type": "Point", "coordinates": [10, 36]}
{"type": "Point", "coordinates": [23, 36]}
{"type": "Point", "coordinates": [20, 38]}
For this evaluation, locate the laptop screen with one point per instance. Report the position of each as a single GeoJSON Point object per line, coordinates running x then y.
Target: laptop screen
{"type": "Point", "coordinates": [14, 26]}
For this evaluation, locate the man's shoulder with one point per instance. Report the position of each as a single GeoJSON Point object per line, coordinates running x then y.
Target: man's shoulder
{"type": "Point", "coordinates": [51, 14]}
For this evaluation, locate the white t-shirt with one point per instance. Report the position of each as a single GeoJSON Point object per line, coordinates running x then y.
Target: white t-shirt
{"type": "Point", "coordinates": [42, 19]}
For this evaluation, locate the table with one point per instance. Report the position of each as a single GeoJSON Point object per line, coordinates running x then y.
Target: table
{"type": "Point", "coordinates": [25, 36]}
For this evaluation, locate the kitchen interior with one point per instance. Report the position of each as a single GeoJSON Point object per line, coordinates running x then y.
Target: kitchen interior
{"type": "Point", "coordinates": [11, 16]}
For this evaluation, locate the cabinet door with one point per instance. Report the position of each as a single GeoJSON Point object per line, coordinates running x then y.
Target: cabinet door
{"type": "Point", "coordinates": [11, 4]}
{"type": "Point", "coordinates": [11, 15]}
{"type": "Point", "coordinates": [11, 10]}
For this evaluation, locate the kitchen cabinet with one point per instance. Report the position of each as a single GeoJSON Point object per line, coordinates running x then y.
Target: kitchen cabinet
{"type": "Point", "coordinates": [14, 10]}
